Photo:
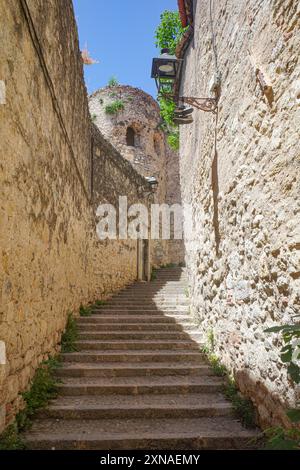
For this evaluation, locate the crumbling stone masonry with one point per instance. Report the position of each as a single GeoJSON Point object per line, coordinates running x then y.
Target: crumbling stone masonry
{"type": "Point", "coordinates": [240, 171]}
{"type": "Point", "coordinates": [136, 132]}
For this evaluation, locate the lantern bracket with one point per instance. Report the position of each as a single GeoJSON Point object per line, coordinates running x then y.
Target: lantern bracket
{"type": "Point", "coordinates": [204, 104]}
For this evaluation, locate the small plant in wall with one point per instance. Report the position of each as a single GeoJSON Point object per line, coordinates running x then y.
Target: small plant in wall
{"type": "Point", "coordinates": [242, 406]}
{"type": "Point", "coordinates": [112, 82]}
{"type": "Point", "coordinates": [279, 438]}
{"type": "Point", "coordinates": [115, 107]}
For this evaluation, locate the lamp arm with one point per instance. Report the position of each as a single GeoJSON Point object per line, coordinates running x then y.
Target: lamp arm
{"type": "Point", "coordinates": [205, 104]}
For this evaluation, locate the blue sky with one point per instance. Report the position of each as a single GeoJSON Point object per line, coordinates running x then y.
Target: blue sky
{"type": "Point", "coordinates": [120, 34]}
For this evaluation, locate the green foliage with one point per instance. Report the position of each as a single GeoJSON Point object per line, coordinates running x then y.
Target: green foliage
{"type": "Point", "coordinates": [70, 336]}
{"type": "Point", "coordinates": [290, 351]}
{"type": "Point", "coordinates": [114, 107]}
{"type": "Point", "coordinates": [216, 365]}
{"type": "Point", "coordinates": [282, 439]}
{"type": "Point", "coordinates": [85, 311]}
{"type": "Point", "coordinates": [113, 81]}
{"type": "Point", "coordinates": [167, 108]}
{"type": "Point", "coordinates": [94, 117]}
{"type": "Point", "coordinates": [10, 439]}
{"type": "Point", "coordinates": [170, 31]}
{"type": "Point", "coordinates": [43, 389]}
{"type": "Point", "coordinates": [243, 407]}
{"type": "Point", "coordinates": [98, 303]}
{"type": "Point", "coordinates": [173, 139]}
{"type": "Point", "coordinates": [167, 35]}
{"type": "Point", "coordinates": [153, 275]}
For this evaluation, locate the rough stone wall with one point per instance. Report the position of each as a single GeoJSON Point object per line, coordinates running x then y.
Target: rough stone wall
{"type": "Point", "coordinates": [244, 254]}
{"type": "Point", "coordinates": [113, 176]}
{"type": "Point", "coordinates": [50, 258]}
{"type": "Point", "coordinates": [150, 155]}
{"type": "Point", "coordinates": [173, 196]}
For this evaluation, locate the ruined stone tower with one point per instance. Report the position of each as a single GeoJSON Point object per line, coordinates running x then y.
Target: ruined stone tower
{"type": "Point", "coordinates": [130, 119]}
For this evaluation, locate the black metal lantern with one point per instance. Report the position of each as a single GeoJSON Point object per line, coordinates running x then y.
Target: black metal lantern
{"type": "Point", "coordinates": [153, 183]}
{"type": "Point", "coordinates": [165, 70]}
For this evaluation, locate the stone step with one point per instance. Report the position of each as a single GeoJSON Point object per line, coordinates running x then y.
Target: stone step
{"type": "Point", "coordinates": [140, 311]}
{"type": "Point", "coordinates": [139, 385]}
{"type": "Point", "coordinates": [142, 328]}
{"type": "Point", "coordinates": [190, 405]}
{"type": "Point", "coordinates": [139, 380]}
{"type": "Point", "coordinates": [135, 318]}
{"type": "Point", "coordinates": [133, 356]}
{"type": "Point", "coordinates": [180, 433]}
{"type": "Point", "coordinates": [148, 299]}
{"type": "Point", "coordinates": [136, 345]}
{"type": "Point", "coordinates": [137, 335]}
{"type": "Point", "coordinates": [169, 291]}
{"type": "Point", "coordinates": [133, 369]}
{"type": "Point", "coordinates": [144, 303]}
{"type": "Point", "coordinates": [145, 307]}
{"type": "Point", "coordinates": [158, 287]}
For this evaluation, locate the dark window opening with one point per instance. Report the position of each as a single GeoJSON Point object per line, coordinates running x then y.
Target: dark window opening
{"type": "Point", "coordinates": [156, 145]}
{"type": "Point", "coordinates": [130, 137]}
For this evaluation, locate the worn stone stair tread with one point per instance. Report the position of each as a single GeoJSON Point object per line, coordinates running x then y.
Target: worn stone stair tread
{"type": "Point", "coordinates": [140, 406]}
{"type": "Point", "coordinates": [131, 401]}
{"type": "Point", "coordinates": [165, 381]}
{"type": "Point", "coordinates": [136, 335]}
{"type": "Point", "coordinates": [169, 319]}
{"type": "Point", "coordinates": [91, 369]}
{"type": "Point", "coordinates": [139, 310]}
{"type": "Point", "coordinates": [136, 365]}
{"type": "Point", "coordinates": [168, 433]}
{"type": "Point", "coordinates": [140, 355]}
{"type": "Point", "coordinates": [144, 328]}
{"type": "Point", "coordinates": [136, 342]}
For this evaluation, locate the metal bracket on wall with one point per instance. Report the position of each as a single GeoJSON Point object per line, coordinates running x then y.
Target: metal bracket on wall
{"type": "Point", "coordinates": [205, 104]}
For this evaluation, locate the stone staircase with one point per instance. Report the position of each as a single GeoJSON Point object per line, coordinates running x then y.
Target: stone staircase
{"type": "Point", "coordinates": [139, 380]}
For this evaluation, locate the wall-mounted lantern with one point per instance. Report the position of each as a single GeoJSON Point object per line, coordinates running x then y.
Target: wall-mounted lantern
{"type": "Point", "coordinates": [165, 70]}
{"type": "Point", "coordinates": [153, 183]}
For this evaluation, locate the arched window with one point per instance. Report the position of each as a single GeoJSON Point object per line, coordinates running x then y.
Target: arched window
{"type": "Point", "coordinates": [130, 137]}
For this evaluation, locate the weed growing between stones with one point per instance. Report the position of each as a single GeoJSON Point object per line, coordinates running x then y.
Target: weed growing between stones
{"type": "Point", "coordinates": [43, 388]}
{"type": "Point", "coordinates": [98, 303]}
{"type": "Point", "coordinates": [243, 407]}
{"type": "Point", "coordinates": [70, 336]}
{"type": "Point", "coordinates": [113, 81]}
{"type": "Point", "coordinates": [10, 439]}
{"type": "Point", "coordinates": [85, 311]}
{"type": "Point", "coordinates": [114, 107]}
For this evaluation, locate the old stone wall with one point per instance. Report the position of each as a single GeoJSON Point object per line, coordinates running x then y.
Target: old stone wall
{"type": "Point", "coordinates": [240, 173]}
{"type": "Point", "coordinates": [51, 260]}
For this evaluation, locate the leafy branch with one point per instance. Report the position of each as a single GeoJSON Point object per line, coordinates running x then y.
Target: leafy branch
{"type": "Point", "coordinates": [167, 35]}
{"type": "Point", "coordinates": [279, 438]}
